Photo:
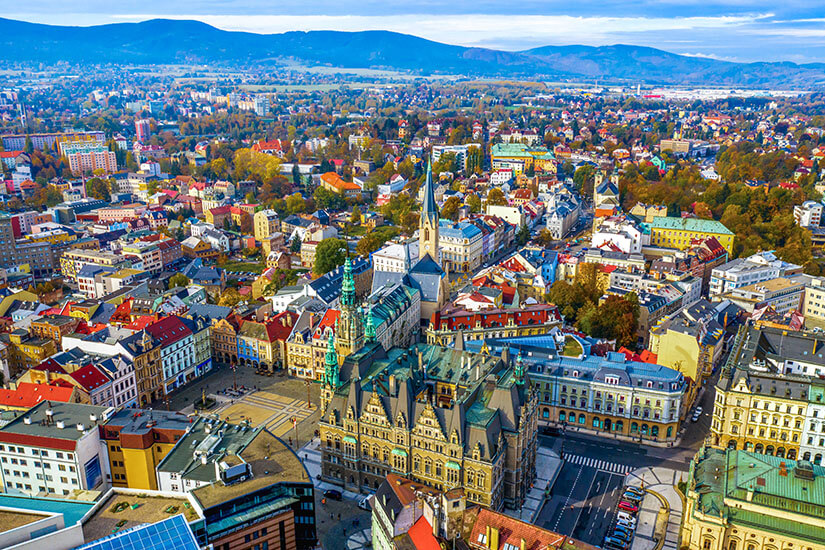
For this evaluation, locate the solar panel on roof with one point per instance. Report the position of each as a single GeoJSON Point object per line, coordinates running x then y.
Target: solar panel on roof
{"type": "Point", "coordinates": [169, 534]}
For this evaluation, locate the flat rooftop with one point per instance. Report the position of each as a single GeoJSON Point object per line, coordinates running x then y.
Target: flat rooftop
{"type": "Point", "coordinates": [272, 462]}
{"type": "Point", "coordinates": [12, 520]}
{"type": "Point", "coordinates": [72, 510]}
{"type": "Point", "coordinates": [133, 510]}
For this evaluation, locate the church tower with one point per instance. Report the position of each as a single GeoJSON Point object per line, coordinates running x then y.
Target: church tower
{"type": "Point", "coordinates": [428, 224]}
{"type": "Point", "coordinates": [350, 331]}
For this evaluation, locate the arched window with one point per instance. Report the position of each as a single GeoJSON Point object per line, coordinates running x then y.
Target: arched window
{"type": "Point", "coordinates": [562, 416]}
{"type": "Point", "coordinates": [581, 419]}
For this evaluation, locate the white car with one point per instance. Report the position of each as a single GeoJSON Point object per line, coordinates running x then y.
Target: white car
{"type": "Point", "coordinates": [365, 503]}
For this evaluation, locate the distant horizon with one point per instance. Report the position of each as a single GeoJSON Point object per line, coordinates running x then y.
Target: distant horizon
{"type": "Point", "coordinates": [727, 30]}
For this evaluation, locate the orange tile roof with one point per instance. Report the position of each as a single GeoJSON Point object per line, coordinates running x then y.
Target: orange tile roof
{"type": "Point", "coordinates": [28, 394]}
{"type": "Point", "coordinates": [421, 535]}
{"type": "Point", "coordinates": [512, 531]}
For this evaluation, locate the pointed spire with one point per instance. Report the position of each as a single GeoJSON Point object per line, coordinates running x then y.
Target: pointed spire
{"type": "Point", "coordinates": [429, 208]}
{"type": "Point", "coordinates": [348, 285]}
{"type": "Point", "coordinates": [369, 330]}
{"type": "Point", "coordinates": [331, 363]}
{"type": "Point", "coordinates": [518, 372]}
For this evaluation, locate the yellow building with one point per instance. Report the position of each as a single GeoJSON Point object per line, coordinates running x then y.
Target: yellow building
{"type": "Point", "coordinates": [680, 233]}
{"type": "Point", "coordinates": [770, 398]}
{"type": "Point", "coordinates": [265, 223]}
{"type": "Point", "coordinates": [25, 351]}
{"type": "Point", "coordinates": [691, 346]}
{"type": "Point", "coordinates": [521, 158]}
{"type": "Point", "coordinates": [738, 500]}
{"type": "Point", "coordinates": [54, 236]}
{"type": "Point", "coordinates": [137, 440]}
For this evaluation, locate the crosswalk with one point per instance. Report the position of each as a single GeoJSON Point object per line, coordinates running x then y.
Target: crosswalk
{"type": "Point", "coordinates": [603, 465]}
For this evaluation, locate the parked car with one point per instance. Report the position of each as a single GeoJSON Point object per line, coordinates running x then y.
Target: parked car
{"type": "Point", "coordinates": [333, 494]}
{"type": "Point", "coordinates": [632, 497]}
{"type": "Point", "coordinates": [624, 516]}
{"type": "Point", "coordinates": [614, 545]}
{"type": "Point", "coordinates": [621, 535]}
{"type": "Point", "coordinates": [365, 503]}
{"type": "Point", "coordinates": [629, 523]}
{"type": "Point", "coordinates": [613, 541]}
{"type": "Point", "coordinates": [636, 490]}
{"type": "Point", "coordinates": [628, 507]}
{"type": "Point", "coordinates": [623, 530]}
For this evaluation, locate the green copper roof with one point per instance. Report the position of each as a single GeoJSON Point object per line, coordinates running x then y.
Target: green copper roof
{"type": "Point", "coordinates": [453, 465]}
{"type": "Point", "coordinates": [690, 224]}
{"type": "Point", "coordinates": [726, 481]}
{"type": "Point", "coordinates": [399, 452]}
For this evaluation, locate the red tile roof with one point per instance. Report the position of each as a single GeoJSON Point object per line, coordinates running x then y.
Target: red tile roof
{"type": "Point", "coordinates": [280, 326]}
{"type": "Point", "coordinates": [169, 330]}
{"type": "Point", "coordinates": [90, 377]}
{"type": "Point", "coordinates": [329, 320]}
{"type": "Point", "coordinates": [28, 395]}
{"type": "Point", "coordinates": [421, 535]}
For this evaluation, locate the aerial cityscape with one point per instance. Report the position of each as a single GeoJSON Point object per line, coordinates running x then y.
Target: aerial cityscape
{"type": "Point", "coordinates": [350, 277]}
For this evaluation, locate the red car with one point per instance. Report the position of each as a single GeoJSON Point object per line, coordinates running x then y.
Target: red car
{"type": "Point", "coordinates": [628, 506]}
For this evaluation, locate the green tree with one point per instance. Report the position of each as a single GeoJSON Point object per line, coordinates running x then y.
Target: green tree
{"type": "Point", "coordinates": [98, 188]}
{"type": "Point", "coordinates": [329, 254]}
{"type": "Point", "coordinates": [356, 218]}
{"type": "Point", "coordinates": [523, 235]}
{"type": "Point", "coordinates": [295, 203]}
{"type": "Point", "coordinates": [178, 279]}
{"type": "Point", "coordinates": [295, 245]}
{"type": "Point", "coordinates": [28, 148]}
{"type": "Point", "coordinates": [474, 202]}
{"type": "Point", "coordinates": [583, 178]}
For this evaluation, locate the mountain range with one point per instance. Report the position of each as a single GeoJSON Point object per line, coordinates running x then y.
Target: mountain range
{"type": "Point", "coordinates": [163, 41]}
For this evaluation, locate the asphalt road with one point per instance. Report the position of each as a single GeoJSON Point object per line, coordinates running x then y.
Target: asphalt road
{"type": "Point", "coordinates": [583, 503]}
{"type": "Point", "coordinates": [583, 500]}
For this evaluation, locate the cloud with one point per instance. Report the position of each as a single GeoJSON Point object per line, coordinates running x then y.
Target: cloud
{"type": "Point", "coordinates": [711, 56]}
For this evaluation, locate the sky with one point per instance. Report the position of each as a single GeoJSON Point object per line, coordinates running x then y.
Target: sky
{"type": "Point", "coordinates": [734, 30]}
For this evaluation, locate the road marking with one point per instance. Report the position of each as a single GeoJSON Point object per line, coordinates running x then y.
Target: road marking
{"type": "Point", "coordinates": [567, 501]}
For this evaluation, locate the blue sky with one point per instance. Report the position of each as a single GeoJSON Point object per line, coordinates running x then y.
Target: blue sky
{"type": "Point", "coordinates": [736, 30]}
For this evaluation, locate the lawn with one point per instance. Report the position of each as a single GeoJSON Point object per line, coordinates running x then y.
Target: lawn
{"type": "Point", "coordinates": [571, 348]}
{"type": "Point", "coordinates": [252, 267]}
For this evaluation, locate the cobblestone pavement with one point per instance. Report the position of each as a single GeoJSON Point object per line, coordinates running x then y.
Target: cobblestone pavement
{"type": "Point", "coordinates": [269, 400]}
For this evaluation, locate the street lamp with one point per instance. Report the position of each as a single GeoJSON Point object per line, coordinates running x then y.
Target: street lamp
{"type": "Point", "coordinates": [234, 376]}
{"type": "Point", "coordinates": [309, 403]}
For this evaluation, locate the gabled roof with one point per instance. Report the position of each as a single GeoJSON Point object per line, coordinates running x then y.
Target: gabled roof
{"type": "Point", "coordinates": [90, 377]}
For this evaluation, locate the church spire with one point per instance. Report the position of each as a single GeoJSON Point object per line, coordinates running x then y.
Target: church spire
{"type": "Point", "coordinates": [369, 330]}
{"type": "Point", "coordinates": [348, 285]}
{"type": "Point", "coordinates": [428, 223]}
{"type": "Point", "coordinates": [331, 364]}
{"type": "Point", "coordinates": [429, 209]}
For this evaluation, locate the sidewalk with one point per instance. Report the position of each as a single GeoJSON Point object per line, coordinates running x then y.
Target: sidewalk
{"type": "Point", "coordinates": [548, 466]}
{"type": "Point", "coordinates": [311, 455]}
{"type": "Point", "coordinates": [660, 484]}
